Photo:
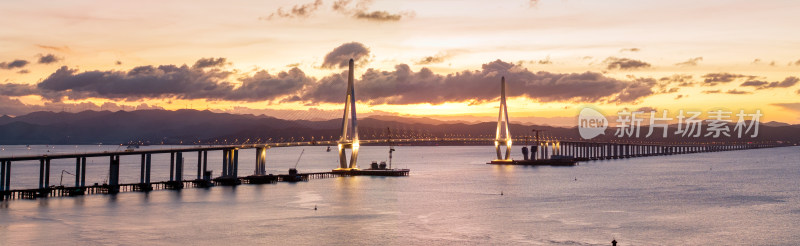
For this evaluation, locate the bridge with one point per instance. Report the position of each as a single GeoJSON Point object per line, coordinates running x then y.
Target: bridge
{"type": "Point", "coordinates": [349, 140]}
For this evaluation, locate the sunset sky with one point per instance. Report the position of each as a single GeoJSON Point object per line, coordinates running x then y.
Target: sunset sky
{"type": "Point", "coordinates": [440, 59]}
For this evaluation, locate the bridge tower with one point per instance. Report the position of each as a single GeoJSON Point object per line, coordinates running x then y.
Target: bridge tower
{"type": "Point", "coordinates": [349, 138]}
{"type": "Point", "coordinates": [503, 136]}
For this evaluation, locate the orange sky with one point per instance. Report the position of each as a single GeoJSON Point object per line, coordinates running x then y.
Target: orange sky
{"type": "Point", "coordinates": [628, 41]}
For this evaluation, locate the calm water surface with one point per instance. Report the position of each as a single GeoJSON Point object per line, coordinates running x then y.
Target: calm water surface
{"type": "Point", "coordinates": [452, 197]}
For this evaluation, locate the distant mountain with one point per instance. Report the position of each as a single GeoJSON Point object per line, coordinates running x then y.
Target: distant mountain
{"type": "Point", "coordinates": [193, 126]}
{"type": "Point", "coordinates": [775, 123]}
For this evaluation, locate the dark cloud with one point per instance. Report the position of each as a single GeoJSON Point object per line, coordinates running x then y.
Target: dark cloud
{"type": "Point", "coordinates": [210, 62]}
{"type": "Point", "coordinates": [165, 81]}
{"type": "Point", "coordinates": [788, 82]}
{"type": "Point", "coordinates": [14, 64]}
{"type": "Point", "coordinates": [629, 50]}
{"type": "Point", "coordinates": [691, 62]}
{"type": "Point", "coordinates": [140, 82]}
{"type": "Point", "coordinates": [712, 79]}
{"type": "Point", "coordinates": [754, 83]}
{"type": "Point", "coordinates": [340, 56]}
{"type": "Point", "coordinates": [712, 91]}
{"type": "Point", "coordinates": [404, 86]}
{"type": "Point", "coordinates": [23, 71]}
{"type": "Point", "coordinates": [546, 61]}
{"type": "Point", "coordinates": [378, 16]}
{"type": "Point", "coordinates": [361, 11]}
{"type": "Point", "coordinates": [341, 5]}
{"type": "Point", "coordinates": [682, 80]}
{"type": "Point", "coordinates": [297, 11]}
{"type": "Point", "coordinates": [263, 85]}
{"type": "Point", "coordinates": [47, 59]}
{"type": "Point", "coordinates": [648, 109]}
{"type": "Point", "coordinates": [14, 90]}
{"type": "Point", "coordinates": [624, 63]}
{"type": "Point", "coordinates": [118, 63]}
{"type": "Point", "coordinates": [738, 92]}
{"type": "Point", "coordinates": [438, 58]}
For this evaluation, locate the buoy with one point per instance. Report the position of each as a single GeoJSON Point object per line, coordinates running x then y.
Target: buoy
{"type": "Point", "coordinates": [315, 207]}
{"type": "Point", "coordinates": [501, 193]}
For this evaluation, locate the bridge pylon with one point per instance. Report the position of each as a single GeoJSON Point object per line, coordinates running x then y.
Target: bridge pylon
{"type": "Point", "coordinates": [503, 135]}
{"type": "Point", "coordinates": [349, 138]}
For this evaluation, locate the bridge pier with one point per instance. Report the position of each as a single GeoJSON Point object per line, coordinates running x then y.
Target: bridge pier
{"type": "Point", "coordinates": [177, 182]}
{"type": "Point", "coordinates": [199, 164]}
{"type": "Point", "coordinates": [144, 174]}
{"type": "Point", "coordinates": [205, 165]}
{"type": "Point", "coordinates": [3, 170]}
{"type": "Point", "coordinates": [235, 166]}
{"type": "Point", "coordinates": [225, 157]}
{"type": "Point", "coordinates": [171, 166]}
{"type": "Point", "coordinates": [261, 161]}
{"type": "Point", "coordinates": [113, 175]}
{"type": "Point", "coordinates": [78, 172]}
{"type": "Point", "coordinates": [44, 173]}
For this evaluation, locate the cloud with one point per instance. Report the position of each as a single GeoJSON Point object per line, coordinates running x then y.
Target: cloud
{"type": "Point", "coordinates": [209, 62]}
{"type": "Point", "coordinates": [297, 11]}
{"type": "Point", "coordinates": [165, 81]}
{"type": "Point", "coordinates": [14, 90]}
{"type": "Point", "coordinates": [756, 61]}
{"type": "Point", "coordinates": [788, 82]}
{"type": "Point", "coordinates": [738, 92]}
{"type": "Point", "coordinates": [404, 86]}
{"type": "Point", "coordinates": [690, 63]}
{"type": "Point", "coordinates": [378, 16]}
{"type": "Point", "coordinates": [629, 50]}
{"type": "Point", "coordinates": [438, 58]}
{"type": "Point", "coordinates": [23, 71]}
{"type": "Point", "coordinates": [624, 63]}
{"type": "Point", "coordinates": [263, 85]}
{"type": "Point", "coordinates": [341, 5]}
{"type": "Point", "coordinates": [797, 63]}
{"type": "Point", "coordinates": [49, 58]}
{"type": "Point", "coordinates": [340, 56]}
{"type": "Point", "coordinates": [682, 80]}
{"type": "Point", "coordinates": [398, 86]}
{"type": "Point", "coordinates": [712, 79]}
{"type": "Point", "coordinates": [54, 48]}
{"type": "Point", "coordinates": [754, 83]}
{"type": "Point", "coordinates": [712, 91]}
{"type": "Point", "coordinates": [14, 64]}
{"type": "Point", "coordinates": [361, 11]}
{"type": "Point", "coordinates": [546, 61]}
